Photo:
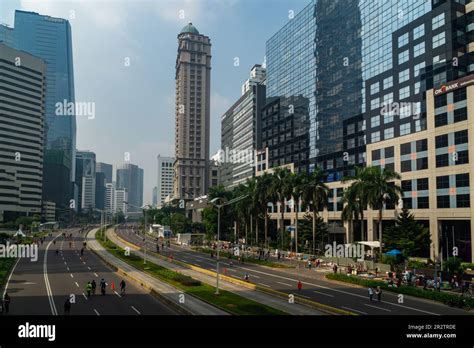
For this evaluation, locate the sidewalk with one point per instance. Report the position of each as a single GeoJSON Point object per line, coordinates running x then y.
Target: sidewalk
{"type": "Point", "coordinates": [272, 301]}
{"type": "Point", "coordinates": [167, 293]}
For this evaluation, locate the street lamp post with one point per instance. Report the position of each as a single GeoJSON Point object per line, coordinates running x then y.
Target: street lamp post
{"type": "Point", "coordinates": [145, 207]}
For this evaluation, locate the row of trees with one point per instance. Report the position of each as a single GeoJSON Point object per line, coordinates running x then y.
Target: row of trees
{"type": "Point", "coordinates": [370, 187]}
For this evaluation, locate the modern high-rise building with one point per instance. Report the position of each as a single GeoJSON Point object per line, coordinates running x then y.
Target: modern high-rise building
{"type": "Point", "coordinates": [49, 38]}
{"type": "Point", "coordinates": [107, 169]}
{"type": "Point", "coordinates": [154, 196]}
{"type": "Point", "coordinates": [86, 176]}
{"type": "Point", "coordinates": [6, 35]}
{"type": "Point", "coordinates": [130, 177]}
{"type": "Point", "coordinates": [109, 204]}
{"type": "Point", "coordinates": [165, 178]}
{"type": "Point", "coordinates": [241, 133]}
{"type": "Point", "coordinates": [100, 190]}
{"type": "Point", "coordinates": [193, 83]}
{"type": "Point", "coordinates": [22, 97]}
{"type": "Point", "coordinates": [121, 196]}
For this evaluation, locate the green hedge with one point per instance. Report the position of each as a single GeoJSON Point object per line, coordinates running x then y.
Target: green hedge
{"type": "Point", "coordinates": [406, 290]}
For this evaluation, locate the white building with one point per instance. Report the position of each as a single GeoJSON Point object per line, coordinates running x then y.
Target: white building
{"type": "Point", "coordinates": [110, 198]}
{"type": "Point", "coordinates": [165, 178]}
{"type": "Point", "coordinates": [257, 76]}
{"type": "Point", "coordinates": [121, 196]}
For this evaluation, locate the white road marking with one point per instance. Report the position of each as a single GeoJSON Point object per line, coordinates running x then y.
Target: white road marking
{"type": "Point", "coordinates": [54, 311]}
{"type": "Point", "coordinates": [304, 296]}
{"type": "Point", "coordinates": [95, 310]}
{"type": "Point", "coordinates": [67, 268]}
{"type": "Point", "coordinates": [254, 276]}
{"type": "Point", "coordinates": [382, 309]}
{"type": "Point", "coordinates": [116, 293]}
{"type": "Point", "coordinates": [89, 268]}
{"type": "Point", "coordinates": [136, 310]}
{"type": "Point", "coordinates": [65, 262]}
{"type": "Point", "coordinates": [29, 283]}
{"type": "Point", "coordinates": [286, 284]}
{"type": "Point", "coordinates": [322, 293]}
{"type": "Point", "coordinates": [264, 285]}
{"type": "Point", "coordinates": [9, 277]}
{"type": "Point", "coordinates": [76, 284]}
{"type": "Point", "coordinates": [83, 262]}
{"type": "Point", "coordinates": [337, 290]}
{"type": "Point", "coordinates": [353, 310]}
{"type": "Point", "coordinates": [84, 296]}
{"type": "Point", "coordinates": [96, 275]}
{"type": "Point", "coordinates": [71, 275]}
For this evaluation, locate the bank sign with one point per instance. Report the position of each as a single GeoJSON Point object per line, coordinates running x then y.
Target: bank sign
{"type": "Point", "coordinates": [452, 86]}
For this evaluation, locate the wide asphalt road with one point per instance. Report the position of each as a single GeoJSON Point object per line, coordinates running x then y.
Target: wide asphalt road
{"type": "Point", "coordinates": [315, 286]}
{"type": "Point", "coordinates": [42, 287]}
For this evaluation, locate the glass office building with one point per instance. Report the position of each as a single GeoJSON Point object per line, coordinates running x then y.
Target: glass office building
{"type": "Point", "coordinates": [50, 39]}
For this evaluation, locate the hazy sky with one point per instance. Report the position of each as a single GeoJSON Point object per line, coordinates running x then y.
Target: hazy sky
{"type": "Point", "coordinates": [134, 104]}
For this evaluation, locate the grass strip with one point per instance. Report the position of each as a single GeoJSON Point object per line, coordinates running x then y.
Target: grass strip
{"type": "Point", "coordinates": [406, 290]}
{"type": "Point", "coordinates": [226, 301]}
{"type": "Point", "coordinates": [6, 265]}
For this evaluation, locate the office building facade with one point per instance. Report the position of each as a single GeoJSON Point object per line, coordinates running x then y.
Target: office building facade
{"type": "Point", "coordinates": [193, 83]}
{"type": "Point", "coordinates": [100, 190]}
{"type": "Point", "coordinates": [165, 178]}
{"type": "Point", "coordinates": [22, 98]}
{"type": "Point", "coordinates": [86, 180]}
{"type": "Point", "coordinates": [50, 39]}
{"type": "Point", "coordinates": [241, 133]}
{"type": "Point", "coordinates": [109, 204]}
{"type": "Point", "coordinates": [107, 169]}
{"type": "Point", "coordinates": [130, 176]}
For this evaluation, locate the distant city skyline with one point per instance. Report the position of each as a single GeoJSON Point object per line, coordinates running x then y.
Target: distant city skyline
{"type": "Point", "coordinates": [140, 120]}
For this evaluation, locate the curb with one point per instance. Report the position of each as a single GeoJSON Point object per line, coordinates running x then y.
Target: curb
{"type": "Point", "coordinates": [313, 304]}
{"type": "Point", "coordinates": [153, 292]}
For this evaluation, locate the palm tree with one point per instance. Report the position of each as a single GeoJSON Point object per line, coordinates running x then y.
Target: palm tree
{"type": "Point", "coordinates": [299, 186]}
{"type": "Point", "coordinates": [240, 208]}
{"type": "Point", "coordinates": [355, 196]}
{"type": "Point", "coordinates": [252, 191]}
{"type": "Point", "coordinates": [353, 209]}
{"type": "Point", "coordinates": [315, 195]}
{"type": "Point", "coordinates": [379, 188]}
{"type": "Point", "coordinates": [281, 189]}
{"type": "Point", "coordinates": [264, 197]}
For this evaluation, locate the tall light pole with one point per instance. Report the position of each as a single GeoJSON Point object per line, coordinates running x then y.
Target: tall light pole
{"type": "Point", "coordinates": [218, 206]}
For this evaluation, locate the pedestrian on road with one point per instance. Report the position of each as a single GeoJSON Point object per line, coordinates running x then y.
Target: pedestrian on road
{"type": "Point", "coordinates": [82, 251]}
{"type": "Point", "coordinates": [158, 248]}
{"type": "Point", "coordinates": [67, 307]}
{"type": "Point", "coordinates": [6, 302]}
{"type": "Point", "coordinates": [246, 277]}
{"type": "Point", "coordinates": [300, 285]}
{"type": "Point", "coordinates": [378, 292]}
{"type": "Point", "coordinates": [102, 286]}
{"type": "Point", "coordinates": [309, 264]}
{"type": "Point", "coordinates": [54, 242]}
{"type": "Point", "coordinates": [334, 268]}
{"type": "Point", "coordinates": [94, 286]}
{"type": "Point", "coordinates": [70, 245]}
{"type": "Point", "coordinates": [371, 293]}
{"type": "Point", "coordinates": [122, 287]}
{"type": "Point", "coordinates": [57, 251]}
{"type": "Point", "coordinates": [279, 256]}
{"type": "Point", "coordinates": [89, 289]}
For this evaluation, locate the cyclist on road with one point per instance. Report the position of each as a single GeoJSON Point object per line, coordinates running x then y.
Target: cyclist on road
{"type": "Point", "coordinates": [88, 289]}
{"type": "Point", "coordinates": [102, 286]}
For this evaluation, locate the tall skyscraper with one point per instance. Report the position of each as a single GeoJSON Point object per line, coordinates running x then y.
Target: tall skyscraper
{"type": "Point", "coordinates": [130, 177]}
{"type": "Point", "coordinates": [193, 83]}
{"type": "Point", "coordinates": [107, 169]}
{"type": "Point", "coordinates": [21, 132]}
{"type": "Point", "coordinates": [110, 197]}
{"type": "Point", "coordinates": [99, 190]}
{"type": "Point", "coordinates": [241, 133]}
{"type": "Point", "coordinates": [165, 178]}
{"type": "Point", "coordinates": [85, 173]}
{"type": "Point", "coordinates": [49, 38]}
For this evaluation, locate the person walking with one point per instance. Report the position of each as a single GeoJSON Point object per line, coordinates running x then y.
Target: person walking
{"type": "Point", "coordinates": [6, 302]}
{"type": "Point", "coordinates": [378, 292]}
{"type": "Point", "coordinates": [371, 293]}
{"type": "Point", "coordinates": [94, 286]}
{"type": "Point", "coordinates": [300, 285]}
{"type": "Point", "coordinates": [122, 287]}
{"type": "Point", "coordinates": [67, 307]}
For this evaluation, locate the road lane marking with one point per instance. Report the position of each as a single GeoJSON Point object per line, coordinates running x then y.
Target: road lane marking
{"type": "Point", "coordinates": [337, 290]}
{"type": "Point", "coordinates": [89, 268]}
{"type": "Point", "coordinates": [96, 275]}
{"type": "Point", "coordinates": [67, 268]}
{"type": "Point", "coordinates": [136, 310]}
{"type": "Point", "coordinates": [304, 296]}
{"type": "Point", "coordinates": [76, 284]}
{"type": "Point", "coordinates": [65, 262]}
{"type": "Point", "coordinates": [382, 309]}
{"type": "Point", "coordinates": [116, 293]}
{"type": "Point", "coordinates": [353, 310]}
{"type": "Point", "coordinates": [9, 277]}
{"type": "Point", "coordinates": [95, 310]}
{"type": "Point", "coordinates": [322, 293]}
{"type": "Point", "coordinates": [84, 296]}
{"type": "Point", "coordinates": [54, 311]}
{"type": "Point", "coordinates": [255, 276]}
{"type": "Point", "coordinates": [264, 285]}
{"type": "Point", "coordinates": [286, 284]}
{"type": "Point", "coordinates": [71, 275]}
